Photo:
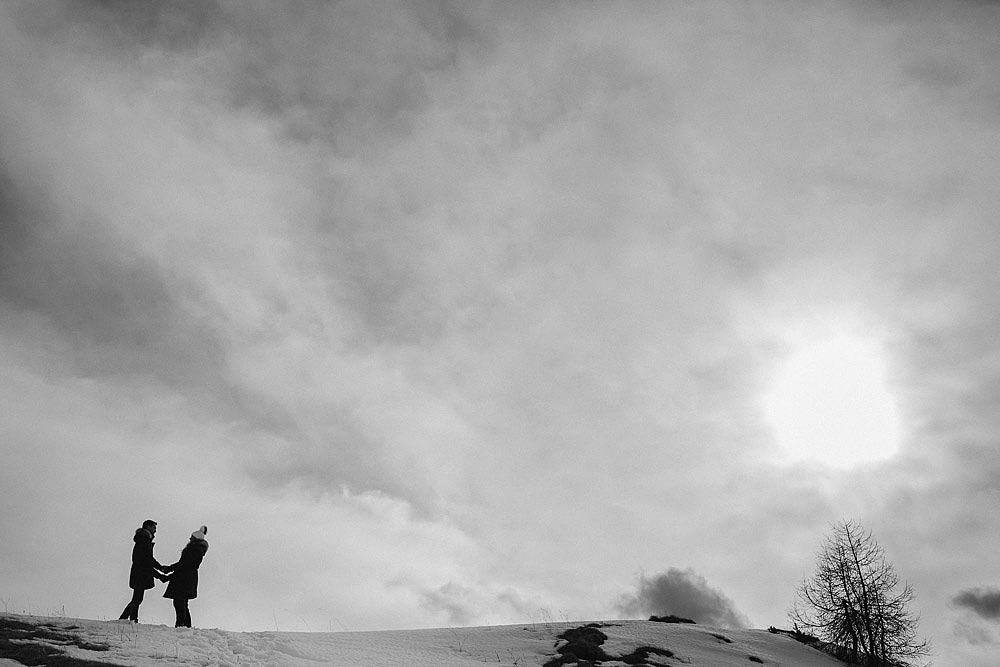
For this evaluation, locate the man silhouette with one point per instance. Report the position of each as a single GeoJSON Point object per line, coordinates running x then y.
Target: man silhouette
{"type": "Point", "coordinates": [144, 568]}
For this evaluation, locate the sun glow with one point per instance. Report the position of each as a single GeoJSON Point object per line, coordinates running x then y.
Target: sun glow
{"type": "Point", "coordinates": [830, 404]}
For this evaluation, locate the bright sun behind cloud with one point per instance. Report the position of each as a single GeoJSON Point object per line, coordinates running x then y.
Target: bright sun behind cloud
{"type": "Point", "coordinates": [830, 404]}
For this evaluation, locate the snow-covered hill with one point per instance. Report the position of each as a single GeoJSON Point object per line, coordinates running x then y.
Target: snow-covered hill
{"type": "Point", "coordinates": [88, 643]}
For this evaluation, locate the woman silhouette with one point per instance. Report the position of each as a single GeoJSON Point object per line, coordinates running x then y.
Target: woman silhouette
{"type": "Point", "coordinates": [183, 584]}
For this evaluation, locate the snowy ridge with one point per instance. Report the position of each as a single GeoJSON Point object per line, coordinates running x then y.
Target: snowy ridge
{"type": "Point", "coordinates": [532, 645]}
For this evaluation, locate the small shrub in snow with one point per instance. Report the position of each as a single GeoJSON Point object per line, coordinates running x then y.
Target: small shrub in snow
{"type": "Point", "coordinates": [670, 619]}
{"type": "Point", "coordinates": [640, 656]}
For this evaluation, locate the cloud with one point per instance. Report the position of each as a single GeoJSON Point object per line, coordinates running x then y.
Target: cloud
{"type": "Point", "coordinates": [466, 604]}
{"type": "Point", "coordinates": [683, 593]}
{"type": "Point", "coordinates": [454, 600]}
{"type": "Point", "coordinates": [978, 623]}
{"type": "Point", "coordinates": [983, 601]}
{"type": "Point", "coordinates": [497, 269]}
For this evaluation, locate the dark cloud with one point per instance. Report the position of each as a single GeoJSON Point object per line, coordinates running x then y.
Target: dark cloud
{"type": "Point", "coordinates": [467, 604]}
{"type": "Point", "coordinates": [979, 625]}
{"type": "Point", "coordinates": [331, 456]}
{"type": "Point", "coordinates": [983, 601]}
{"type": "Point", "coordinates": [683, 593]}
{"type": "Point", "coordinates": [122, 25]}
{"type": "Point", "coordinates": [123, 316]}
{"type": "Point", "coordinates": [452, 599]}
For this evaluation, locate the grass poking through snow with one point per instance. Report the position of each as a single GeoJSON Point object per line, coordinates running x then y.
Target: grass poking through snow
{"type": "Point", "coordinates": [40, 645]}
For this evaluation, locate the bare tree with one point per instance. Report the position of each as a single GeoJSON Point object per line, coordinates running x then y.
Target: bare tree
{"type": "Point", "coordinates": [855, 602]}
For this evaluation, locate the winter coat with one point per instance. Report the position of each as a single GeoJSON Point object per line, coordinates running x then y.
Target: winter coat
{"type": "Point", "coordinates": [184, 580]}
{"type": "Point", "coordinates": [140, 577]}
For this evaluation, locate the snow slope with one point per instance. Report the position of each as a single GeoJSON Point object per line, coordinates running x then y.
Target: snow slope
{"type": "Point", "coordinates": [507, 646]}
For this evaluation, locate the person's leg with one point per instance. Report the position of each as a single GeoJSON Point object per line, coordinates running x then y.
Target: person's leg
{"type": "Point", "coordinates": [187, 614]}
{"type": "Point", "coordinates": [136, 601]}
{"type": "Point", "coordinates": [131, 611]}
{"type": "Point", "coordinates": [179, 606]}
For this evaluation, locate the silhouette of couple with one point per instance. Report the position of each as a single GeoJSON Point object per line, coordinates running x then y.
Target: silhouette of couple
{"type": "Point", "coordinates": [181, 577]}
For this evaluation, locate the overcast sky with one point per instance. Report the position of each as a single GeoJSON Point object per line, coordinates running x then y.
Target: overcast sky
{"type": "Point", "coordinates": [456, 313]}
